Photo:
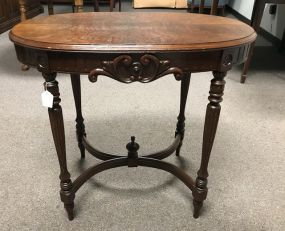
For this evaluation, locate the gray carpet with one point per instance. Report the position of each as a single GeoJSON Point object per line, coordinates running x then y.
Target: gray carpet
{"type": "Point", "coordinates": [247, 174]}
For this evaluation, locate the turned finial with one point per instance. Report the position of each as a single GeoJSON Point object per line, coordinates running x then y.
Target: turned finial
{"type": "Point", "coordinates": [132, 148]}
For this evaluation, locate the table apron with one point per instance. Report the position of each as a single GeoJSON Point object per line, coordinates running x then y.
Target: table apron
{"type": "Point", "coordinates": [85, 62]}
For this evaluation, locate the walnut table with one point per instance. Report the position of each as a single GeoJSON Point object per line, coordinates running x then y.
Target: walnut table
{"type": "Point", "coordinates": [139, 47]}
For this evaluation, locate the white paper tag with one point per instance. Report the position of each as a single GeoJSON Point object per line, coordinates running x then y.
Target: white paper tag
{"type": "Point", "coordinates": [47, 99]}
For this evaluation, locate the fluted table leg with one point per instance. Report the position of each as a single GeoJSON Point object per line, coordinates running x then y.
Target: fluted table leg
{"type": "Point", "coordinates": [57, 127]}
{"type": "Point", "coordinates": [210, 127]}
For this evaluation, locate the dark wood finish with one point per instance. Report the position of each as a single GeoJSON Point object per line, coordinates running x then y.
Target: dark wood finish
{"type": "Point", "coordinates": [159, 155]}
{"type": "Point", "coordinates": [133, 148]}
{"type": "Point", "coordinates": [11, 13]}
{"type": "Point", "coordinates": [210, 127]}
{"type": "Point", "coordinates": [180, 127]}
{"type": "Point", "coordinates": [143, 48]}
{"type": "Point", "coordinates": [57, 127]}
{"type": "Point", "coordinates": [127, 33]}
{"type": "Point", "coordinates": [256, 17]}
{"type": "Point", "coordinates": [80, 127]}
{"type": "Point", "coordinates": [124, 69]}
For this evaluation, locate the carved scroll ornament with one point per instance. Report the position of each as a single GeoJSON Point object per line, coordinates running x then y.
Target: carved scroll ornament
{"type": "Point", "coordinates": [125, 69]}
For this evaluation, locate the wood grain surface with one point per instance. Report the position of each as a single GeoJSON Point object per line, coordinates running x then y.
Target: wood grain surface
{"type": "Point", "coordinates": [102, 31]}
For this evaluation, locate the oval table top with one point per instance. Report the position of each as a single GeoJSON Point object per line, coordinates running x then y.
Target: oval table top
{"type": "Point", "coordinates": [122, 31]}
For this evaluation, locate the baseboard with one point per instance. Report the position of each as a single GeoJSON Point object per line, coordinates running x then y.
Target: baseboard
{"type": "Point", "coordinates": [271, 38]}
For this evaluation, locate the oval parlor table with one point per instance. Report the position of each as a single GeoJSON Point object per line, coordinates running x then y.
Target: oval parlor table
{"type": "Point", "coordinates": [130, 47]}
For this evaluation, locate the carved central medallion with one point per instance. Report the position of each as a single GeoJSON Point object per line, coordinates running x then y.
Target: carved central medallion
{"type": "Point", "coordinates": [127, 70]}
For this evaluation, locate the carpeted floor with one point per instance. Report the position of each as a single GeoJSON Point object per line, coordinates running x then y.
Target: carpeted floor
{"type": "Point", "coordinates": [247, 174]}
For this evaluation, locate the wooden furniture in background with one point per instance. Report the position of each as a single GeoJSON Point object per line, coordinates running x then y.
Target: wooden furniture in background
{"type": "Point", "coordinates": [78, 5]}
{"type": "Point", "coordinates": [214, 6]}
{"type": "Point", "coordinates": [10, 12]}
{"type": "Point", "coordinates": [160, 3]}
{"type": "Point", "coordinates": [258, 9]}
{"type": "Point", "coordinates": [23, 17]}
{"type": "Point", "coordinates": [156, 45]}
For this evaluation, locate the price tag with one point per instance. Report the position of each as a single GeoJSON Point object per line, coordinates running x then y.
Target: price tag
{"type": "Point", "coordinates": [47, 99]}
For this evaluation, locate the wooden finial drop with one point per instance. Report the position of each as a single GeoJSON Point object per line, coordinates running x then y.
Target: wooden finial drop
{"type": "Point", "coordinates": [132, 148]}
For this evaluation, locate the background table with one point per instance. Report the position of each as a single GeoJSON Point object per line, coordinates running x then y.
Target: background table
{"type": "Point", "coordinates": [139, 47]}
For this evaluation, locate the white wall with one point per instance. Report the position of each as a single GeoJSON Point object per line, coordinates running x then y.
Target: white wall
{"type": "Point", "coordinates": [274, 24]}
{"type": "Point", "coordinates": [244, 7]}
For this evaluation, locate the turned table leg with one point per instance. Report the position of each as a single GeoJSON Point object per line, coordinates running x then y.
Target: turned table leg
{"type": "Point", "coordinates": [57, 127]}
{"type": "Point", "coordinates": [23, 18]}
{"type": "Point", "coordinates": [214, 7]}
{"type": "Point", "coordinates": [210, 127]}
{"type": "Point", "coordinates": [180, 128]}
{"type": "Point", "coordinates": [80, 127]}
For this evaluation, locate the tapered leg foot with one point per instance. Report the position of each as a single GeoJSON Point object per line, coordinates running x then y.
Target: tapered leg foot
{"type": "Point", "coordinates": [178, 149]}
{"type": "Point", "coordinates": [25, 67]}
{"type": "Point", "coordinates": [246, 65]}
{"type": "Point", "coordinates": [243, 78]}
{"type": "Point", "coordinates": [69, 210]}
{"type": "Point", "coordinates": [199, 195]}
{"type": "Point", "coordinates": [197, 207]}
{"type": "Point", "coordinates": [82, 151]}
